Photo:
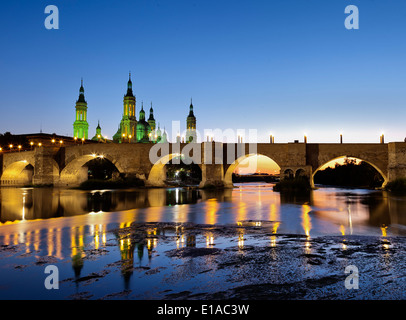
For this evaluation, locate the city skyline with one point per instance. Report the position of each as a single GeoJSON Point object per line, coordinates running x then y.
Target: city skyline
{"type": "Point", "coordinates": [283, 67]}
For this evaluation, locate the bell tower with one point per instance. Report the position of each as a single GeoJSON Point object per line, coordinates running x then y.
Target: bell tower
{"type": "Point", "coordinates": [80, 126]}
{"type": "Point", "coordinates": [191, 125]}
{"type": "Point", "coordinates": [128, 123]}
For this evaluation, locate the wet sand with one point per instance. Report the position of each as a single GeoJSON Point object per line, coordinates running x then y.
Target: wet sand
{"type": "Point", "coordinates": [200, 262]}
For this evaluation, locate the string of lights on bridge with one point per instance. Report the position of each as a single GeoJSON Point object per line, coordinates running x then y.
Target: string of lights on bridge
{"type": "Point", "coordinates": [209, 138]}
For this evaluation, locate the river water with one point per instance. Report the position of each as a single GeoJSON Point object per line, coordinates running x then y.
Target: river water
{"type": "Point", "coordinates": [325, 211]}
{"type": "Point", "coordinates": [72, 229]}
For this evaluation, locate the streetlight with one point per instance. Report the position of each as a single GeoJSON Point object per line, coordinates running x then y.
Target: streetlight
{"type": "Point", "coordinates": [83, 140]}
{"type": "Point", "coordinates": [11, 146]}
{"type": "Point", "coordinates": [32, 144]}
{"type": "Point", "coordinates": [76, 139]}
{"type": "Point", "coordinates": [39, 144]}
{"type": "Point", "coordinates": [19, 148]}
{"type": "Point", "coordinates": [60, 142]}
{"type": "Point", "coordinates": [53, 140]}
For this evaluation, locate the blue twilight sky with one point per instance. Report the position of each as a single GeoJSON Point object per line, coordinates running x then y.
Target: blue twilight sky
{"type": "Point", "coordinates": [285, 67]}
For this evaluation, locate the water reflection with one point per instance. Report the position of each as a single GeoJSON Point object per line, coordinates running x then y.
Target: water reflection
{"type": "Point", "coordinates": [323, 211]}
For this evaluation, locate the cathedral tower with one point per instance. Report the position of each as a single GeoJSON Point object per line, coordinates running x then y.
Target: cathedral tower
{"type": "Point", "coordinates": [80, 126]}
{"type": "Point", "coordinates": [191, 125]}
{"type": "Point", "coordinates": [151, 119]}
{"type": "Point", "coordinates": [128, 124]}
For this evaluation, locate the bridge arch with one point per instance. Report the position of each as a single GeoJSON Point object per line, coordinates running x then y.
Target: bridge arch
{"type": "Point", "coordinates": [377, 168]}
{"type": "Point", "coordinates": [157, 174]}
{"type": "Point", "coordinates": [18, 173]}
{"type": "Point", "coordinates": [228, 176]}
{"type": "Point", "coordinates": [75, 171]}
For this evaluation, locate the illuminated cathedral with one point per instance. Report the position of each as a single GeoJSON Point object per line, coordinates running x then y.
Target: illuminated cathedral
{"type": "Point", "coordinates": [129, 130]}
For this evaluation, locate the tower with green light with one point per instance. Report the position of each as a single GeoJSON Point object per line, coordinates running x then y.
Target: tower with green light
{"type": "Point", "coordinates": [127, 129]}
{"type": "Point", "coordinates": [143, 128]}
{"type": "Point", "coordinates": [191, 135]}
{"type": "Point", "coordinates": [80, 126]}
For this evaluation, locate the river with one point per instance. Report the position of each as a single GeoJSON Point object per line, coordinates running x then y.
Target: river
{"type": "Point", "coordinates": [325, 211]}
{"type": "Point", "coordinates": [88, 235]}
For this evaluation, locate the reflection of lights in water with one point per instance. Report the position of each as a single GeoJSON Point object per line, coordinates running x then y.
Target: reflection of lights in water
{"type": "Point", "coordinates": [383, 229]}
{"type": "Point", "coordinates": [180, 240]}
{"type": "Point", "coordinates": [36, 240]}
{"type": "Point", "coordinates": [258, 223]}
{"type": "Point", "coordinates": [242, 211]}
{"type": "Point", "coordinates": [23, 211]}
{"type": "Point", "coordinates": [77, 236]}
{"type": "Point", "coordinates": [349, 219]}
{"type": "Point", "coordinates": [211, 210]}
{"type": "Point", "coordinates": [125, 244]}
{"type": "Point", "coordinates": [306, 221]}
{"type": "Point", "coordinates": [385, 243]}
{"type": "Point", "coordinates": [151, 243]}
{"type": "Point", "coordinates": [177, 195]}
{"type": "Point", "coordinates": [342, 230]}
{"type": "Point", "coordinates": [209, 240]}
{"type": "Point", "coordinates": [93, 212]}
{"type": "Point", "coordinates": [273, 241]}
{"type": "Point", "coordinates": [96, 241]}
{"type": "Point", "coordinates": [307, 246]}
{"type": "Point", "coordinates": [275, 227]}
{"type": "Point", "coordinates": [50, 241]}
{"type": "Point", "coordinates": [241, 240]}
{"type": "Point", "coordinates": [273, 215]}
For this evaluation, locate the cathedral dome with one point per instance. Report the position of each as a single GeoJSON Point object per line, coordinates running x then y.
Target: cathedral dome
{"type": "Point", "coordinates": [143, 131]}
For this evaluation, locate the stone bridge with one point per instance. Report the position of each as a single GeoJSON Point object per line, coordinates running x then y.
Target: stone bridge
{"type": "Point", "coordinates": [66, 166]}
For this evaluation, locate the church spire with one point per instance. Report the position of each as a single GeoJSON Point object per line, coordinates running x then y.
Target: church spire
{"type": "Point", "coordinates": [129, 86]}
{"type": "Point", "coordinates": [81, 92]}
{"type": "Point", "coordinates": [191, 108]}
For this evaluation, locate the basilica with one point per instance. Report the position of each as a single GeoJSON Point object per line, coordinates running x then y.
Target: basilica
{"type": "Point", "coordinates": [130, 130]}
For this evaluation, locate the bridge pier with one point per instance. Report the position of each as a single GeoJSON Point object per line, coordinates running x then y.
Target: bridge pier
{"type": "Point", "coordinates": [213, 176]}
{"type": "Point", "coordinates": [46, 170]}
{"type": "Point", "coordinates": [396, 160]}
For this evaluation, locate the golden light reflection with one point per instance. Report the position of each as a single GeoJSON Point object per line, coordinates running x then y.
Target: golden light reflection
{"type": "Point", "coordinates": [273, 212]}
{"type": "Point", "coordinates": [209, 239]}
{"type": "Point", "coordinates": [241, 211]}
{"type": "Point", "coordinates": [180, 241]}
{"type": "Point", "coordinates": [50, 238]}
{"type": "Point", "coordinates": [36, 240]}
{"type": "Point", "coordinates": [342, 230]}
{"type": "Point", "coordinates": [211, 210]}
{"type": "Point", "coordinates": [274, 230]}
{"type": "Point", "coordinates": [275, 227]}
{"type": "Point", "coordinates": [383, 229]}
{"type": "Point", "coordinates": [306, 221]}
{"type": "Point", "coordinates": [307, 246]}
{"type": "Point", "coordinates": [241, 239]}
{"type": "Point", "coordinates": [273, 241]}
